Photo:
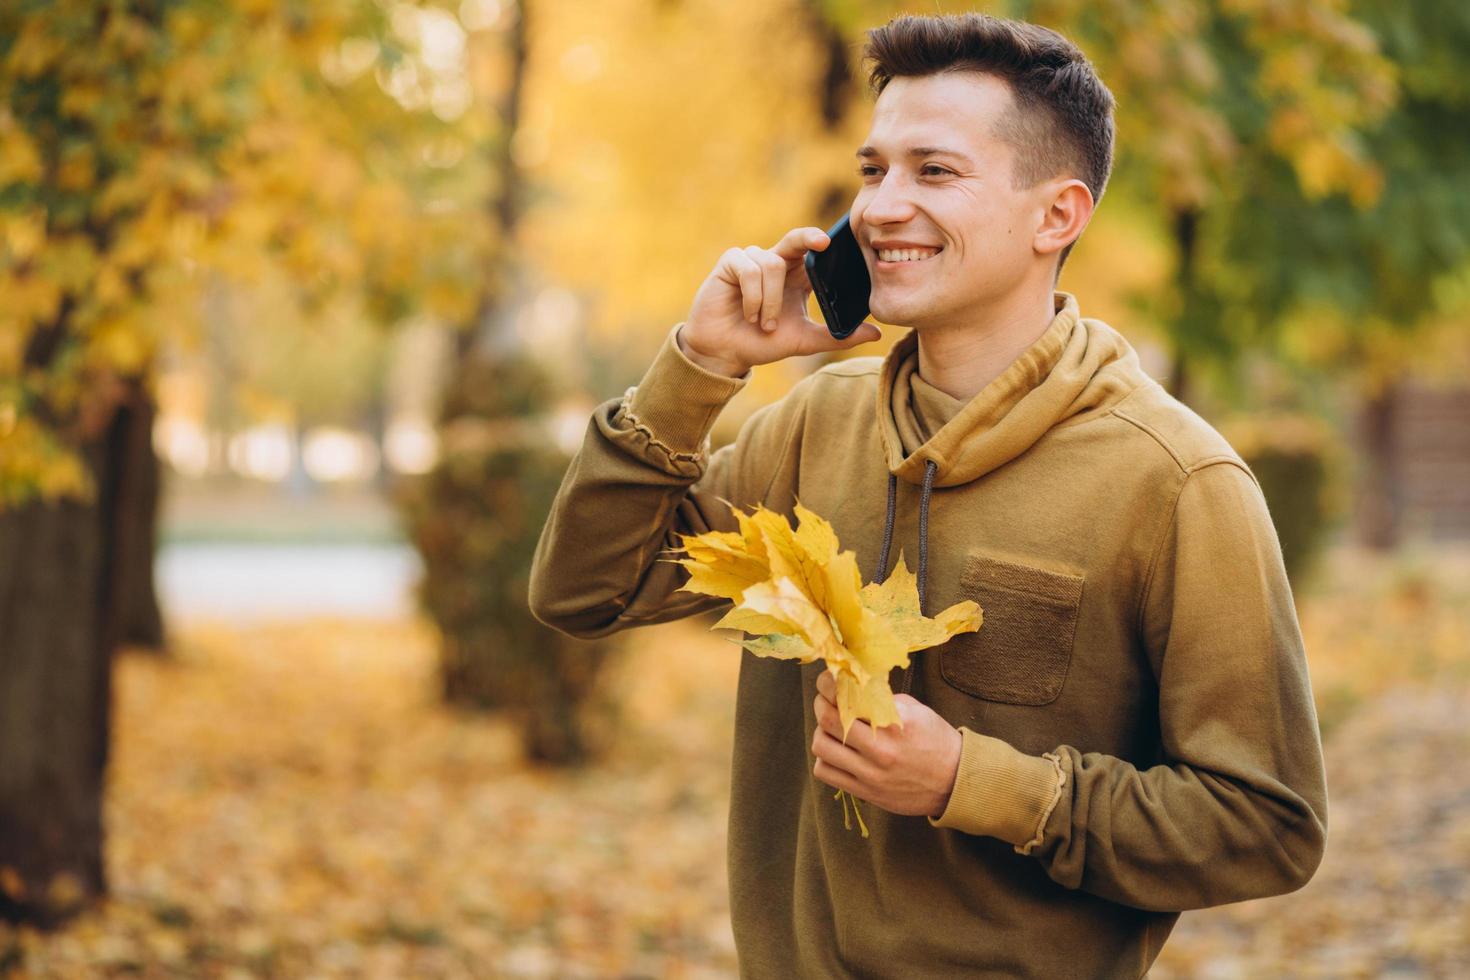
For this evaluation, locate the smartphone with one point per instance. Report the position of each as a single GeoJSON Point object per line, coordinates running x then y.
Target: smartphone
{"type": "Point", "coordinates": [839, 278]}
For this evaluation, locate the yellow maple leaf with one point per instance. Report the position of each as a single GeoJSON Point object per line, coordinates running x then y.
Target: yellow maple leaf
{"type": "Point", "coordinates": [896, 600]}
{"type": "Point", "coordinates": [721, 563]}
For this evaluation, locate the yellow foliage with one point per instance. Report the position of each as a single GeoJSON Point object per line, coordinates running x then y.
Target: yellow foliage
{"type": "Point", "coordinates": [651, 189]}
{"type": "Point", "coordinates": [12, 342]}
{"type": "Point", "coordinates": [29, 298]}
{"type": "Point", "coordinates": [33, 463]}
{"type": "Point", "coordinates": [22, 232]}
{"type": "Point", "coordinates": [202, 146]}
{"type": "Point", "coordinates": [20, 161]}
{"type": "Point", "coordinates": [81, 99]}
{"type": "Point", "coordinates": [33, 52]}
{"type": "Point", "coordinates": [122, 343]}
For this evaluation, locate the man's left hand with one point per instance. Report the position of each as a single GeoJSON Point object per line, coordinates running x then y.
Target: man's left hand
{"type": "Point", "coordinates": [908, 770]}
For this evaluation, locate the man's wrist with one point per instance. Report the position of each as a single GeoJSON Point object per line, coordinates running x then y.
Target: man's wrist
{"type": "Point", "coordinates": [711, 364]}
{"type": "Point", "coordinates": [954, 774]}
{"type": "Point", "coordinates": [943, 804]}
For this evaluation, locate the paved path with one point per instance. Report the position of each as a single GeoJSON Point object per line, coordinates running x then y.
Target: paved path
{"type": "Point", "coordinates": [260, 582]}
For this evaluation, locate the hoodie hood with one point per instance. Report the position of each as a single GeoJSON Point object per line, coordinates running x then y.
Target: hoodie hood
{"type": "Point", "coordinates": [1077, 366]}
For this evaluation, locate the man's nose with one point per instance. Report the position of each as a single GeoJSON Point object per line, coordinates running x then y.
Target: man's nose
{"type": "Point", "coordinates": [890, 202]}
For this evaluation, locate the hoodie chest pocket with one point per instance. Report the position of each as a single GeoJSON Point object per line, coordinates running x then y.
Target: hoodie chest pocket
{"type": "Point", "coordinates": [1021, 653]}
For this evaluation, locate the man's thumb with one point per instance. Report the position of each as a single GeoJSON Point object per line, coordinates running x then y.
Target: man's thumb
{"type": "Point", "coordinates": [864, 334]}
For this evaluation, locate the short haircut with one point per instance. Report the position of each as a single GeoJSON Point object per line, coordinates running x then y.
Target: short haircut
{"type": "Point", "coordinates": [1062, 118]}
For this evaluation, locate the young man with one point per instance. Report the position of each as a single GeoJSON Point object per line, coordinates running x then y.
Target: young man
{"type": "Point", "coordinates": [1131, 731]}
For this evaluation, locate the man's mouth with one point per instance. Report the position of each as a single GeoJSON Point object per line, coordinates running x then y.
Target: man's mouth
{"type": "Point", "coordinates": [896, 255]}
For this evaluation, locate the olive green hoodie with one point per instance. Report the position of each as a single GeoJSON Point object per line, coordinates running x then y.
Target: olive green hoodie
{"type": "Point", "coordinates": [1139, 736]}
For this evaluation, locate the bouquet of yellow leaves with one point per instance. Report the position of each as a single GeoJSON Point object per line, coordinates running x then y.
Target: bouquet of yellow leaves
{"type": "Point", "coordinates": [804, 599]}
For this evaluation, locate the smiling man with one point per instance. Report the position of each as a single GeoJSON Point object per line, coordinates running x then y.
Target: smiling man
{"type": "Point", "coordinates": [1131, 731]}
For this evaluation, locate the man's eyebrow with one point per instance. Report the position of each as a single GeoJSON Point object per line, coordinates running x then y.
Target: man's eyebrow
{"type": "Point", "coordinates": [867, 152]}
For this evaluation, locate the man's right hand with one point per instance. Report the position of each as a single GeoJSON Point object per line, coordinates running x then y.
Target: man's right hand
{"type": "Point", "coordinates": [752, 309]}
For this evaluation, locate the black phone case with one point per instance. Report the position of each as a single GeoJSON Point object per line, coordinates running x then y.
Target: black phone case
{"type": "Point", "coordinates": [839, 278]}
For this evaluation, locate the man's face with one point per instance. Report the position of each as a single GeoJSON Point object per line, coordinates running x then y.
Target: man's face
{"type": "Point", "coordinates": [954, 197]}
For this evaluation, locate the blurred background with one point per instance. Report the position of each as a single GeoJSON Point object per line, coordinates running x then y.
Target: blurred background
{"type": "Point", "coordinates": [305, 305]}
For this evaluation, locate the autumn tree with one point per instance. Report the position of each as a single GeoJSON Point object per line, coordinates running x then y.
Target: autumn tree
{"type": "Point", "coordinates": [1209, 94]}
{"type": "Point", "coordinates": [1363, 290]}
{"type": "Point", "coordinates": [1308, 159]}
{"type": "Point", "coordinates": [475, 517]}
{"type": "Point", "coordinates": [145, 147]}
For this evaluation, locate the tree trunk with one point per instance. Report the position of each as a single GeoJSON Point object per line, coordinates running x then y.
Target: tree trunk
{"type": "Point", "coordinates": [833, 98]}
{"type": "Point", "coordinates": [1178, 382]}
{"type": "Point", "coordinates": [55, 693]}
{"type": "Point", "coordinates": [300, 484]}
{"type": "Point", "coordinates": [1378, 504]}
{"type": "Point", "coordinates": [76, 580]}
{"type": "Point", "coordinates": [834, 88]}
{"type": "Point", "coordinates": [1186, 235]}
{"type": "Point", "coordinates": [129, 514]}
{"type": "Point", "coordinates": [497, 656]}
{"type": "Point", "coordinates": [375, 421]}
{"type": "Point", "coordinates": [492, 331]}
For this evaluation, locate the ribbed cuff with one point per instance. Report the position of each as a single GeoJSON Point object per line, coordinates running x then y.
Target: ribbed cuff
{"type": "Point", "coordinates": [1002, 792]}
{"type": "Point", "coordinates": [678, 401]}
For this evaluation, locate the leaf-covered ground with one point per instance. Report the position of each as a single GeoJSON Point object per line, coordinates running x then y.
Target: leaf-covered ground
{"type": "Point", "coordinates": [292, 801]}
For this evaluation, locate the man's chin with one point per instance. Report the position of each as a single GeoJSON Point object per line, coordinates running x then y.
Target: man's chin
{"type": "Point", "coordinates": [899, 313]}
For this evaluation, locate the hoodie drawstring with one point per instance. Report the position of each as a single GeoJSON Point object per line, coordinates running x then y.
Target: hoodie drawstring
{"type": "Point", "coordinates": [887, 529]}
{"type": "Point", "coordinates": [929, 468]}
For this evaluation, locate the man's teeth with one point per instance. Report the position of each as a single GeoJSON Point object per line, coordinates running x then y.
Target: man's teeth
{"type": "Point", "coordinates": [906, 254]}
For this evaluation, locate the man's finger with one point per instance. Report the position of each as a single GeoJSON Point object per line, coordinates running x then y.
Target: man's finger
{"type": "Point", "coordinates": [826, 714]}
{"type": "Point", "coordinates": [748, 275]}
{"type": "Point", "coordinates": [827, 685]}
{"type": "Point", "coordinates": [798, 241]}
{"type": "Point", "coordinates": [832, 753]}
{"type": "Point", "coordinates": [861, 736]}
{"type": "Point", "coordinates": [834, 777]}
{"type": "Point", "coordinates": [773, 287]}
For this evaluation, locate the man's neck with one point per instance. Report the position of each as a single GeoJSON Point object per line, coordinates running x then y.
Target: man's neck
{"type": "Point", "coordinates": [961, 360]}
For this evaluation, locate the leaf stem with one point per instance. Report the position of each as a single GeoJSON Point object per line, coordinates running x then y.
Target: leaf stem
{"type": "Point", "coordinates": [846, 821]}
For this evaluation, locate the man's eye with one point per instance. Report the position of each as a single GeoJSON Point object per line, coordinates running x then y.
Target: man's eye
{"type": "Point", "coordinates": [929, 169]}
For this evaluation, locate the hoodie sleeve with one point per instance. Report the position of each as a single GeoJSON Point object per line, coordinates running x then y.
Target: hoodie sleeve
{"type": "Point", "coordinates": [643, 475]}
{"type": "Point", "coordinates": [1238, 807]}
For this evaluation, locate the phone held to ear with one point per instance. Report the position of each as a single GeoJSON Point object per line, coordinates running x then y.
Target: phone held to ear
{"type": "Point", "coordinates": [839, 278]}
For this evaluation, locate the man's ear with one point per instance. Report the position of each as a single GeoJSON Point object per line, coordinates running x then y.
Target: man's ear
{"type": "Point", "coordinates": [1068, 212]}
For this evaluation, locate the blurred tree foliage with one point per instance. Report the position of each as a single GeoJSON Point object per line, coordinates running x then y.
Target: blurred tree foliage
{"type": "Point", "coordinates": [1372, 277]}
{"type": "Point", "coordinates": [143, 145]}
{"type": "Point", "coordinates": [1308, 160]}
{"type": "Point", "coordinates": [653, 149]}
{"type": "Point", "coordinates": [1212, 95]}
{"type": "Point", "coordinates": [1366, 294]}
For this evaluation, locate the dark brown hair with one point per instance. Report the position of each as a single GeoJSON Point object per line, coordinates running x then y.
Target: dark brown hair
{"type": "Point", "coordinates": [1062, 117]}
